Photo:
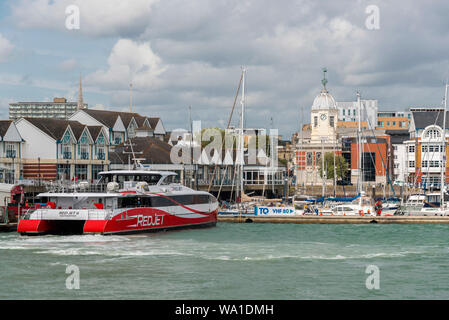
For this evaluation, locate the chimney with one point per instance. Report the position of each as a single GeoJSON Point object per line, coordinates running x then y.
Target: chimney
{"type": "Point", "coordinates": [80, 97]}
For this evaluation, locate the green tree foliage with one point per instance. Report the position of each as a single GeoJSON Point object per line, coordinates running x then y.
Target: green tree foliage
{"type": "Point", "coordinates": [340, 163]}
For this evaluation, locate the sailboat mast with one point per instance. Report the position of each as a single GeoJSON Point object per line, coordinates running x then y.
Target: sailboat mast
{"type": "Point", "coordinates": [443, 164]}
{"type": "Point", "coordinates": [242, 102]}
{"type": "Point", "coordinates": [359, 147]}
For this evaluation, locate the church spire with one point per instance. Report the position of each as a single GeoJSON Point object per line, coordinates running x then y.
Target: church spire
{"type": "Point", "coordinates": [80, 97]}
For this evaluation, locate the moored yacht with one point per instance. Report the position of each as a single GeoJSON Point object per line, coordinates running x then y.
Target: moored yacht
{"type": "Point", "coordinates": [123, 201]}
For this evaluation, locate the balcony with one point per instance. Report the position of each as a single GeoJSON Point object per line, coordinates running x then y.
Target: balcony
{"type": "Point", "coordinates": [10, 153]}
{"type": "Point", "coordinates": [84, 156]}
{"type": "Point", "coordinates": [67, 155]}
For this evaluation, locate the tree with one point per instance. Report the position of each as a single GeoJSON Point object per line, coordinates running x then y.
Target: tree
{"type": "Point", "coordinates": [340, 164]}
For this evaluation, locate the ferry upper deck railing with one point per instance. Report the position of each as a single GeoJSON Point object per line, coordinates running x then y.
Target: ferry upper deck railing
{"type": "Point", "coordinates": [67, 187]}
{"type": "Point", "coordinates": [84, 187]}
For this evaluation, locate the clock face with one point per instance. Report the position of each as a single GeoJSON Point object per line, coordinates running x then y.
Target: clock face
{"type": "Point", "coordinates": [323, 116]}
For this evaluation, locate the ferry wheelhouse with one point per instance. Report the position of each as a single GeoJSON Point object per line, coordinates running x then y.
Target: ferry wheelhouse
{"type": "Point", "coordinates": [123, 201]}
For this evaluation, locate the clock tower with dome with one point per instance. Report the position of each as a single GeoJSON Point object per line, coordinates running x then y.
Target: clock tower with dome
{"type": "Point", "coordinates": [324, 116]}
{"type": "Point", "coordinates": [321, 139]}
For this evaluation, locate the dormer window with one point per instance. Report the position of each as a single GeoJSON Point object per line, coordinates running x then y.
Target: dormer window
{"type": "Point", "coordinates": [432, 134]}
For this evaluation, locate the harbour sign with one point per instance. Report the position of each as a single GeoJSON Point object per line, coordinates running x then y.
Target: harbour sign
{"type": "Point", "coordinates": [273, 211]}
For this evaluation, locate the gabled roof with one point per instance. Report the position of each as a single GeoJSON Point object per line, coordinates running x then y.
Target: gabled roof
{"type": "Point", "coordinates": [154, 122]}
{"type": "Point", "coordinates": [422, 120]}
{"type": "Point", "coordinates": [94, 131]}
{"type": "Point", "coordinates": [4, 126]}
{"type": "Point", "coordinates": [108, 118]}
{"type": "Point", "coordinates": [56, 128]}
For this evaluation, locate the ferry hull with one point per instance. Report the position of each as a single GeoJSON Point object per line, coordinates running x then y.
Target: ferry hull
{"type": "Point", "coordinates": [129, 221]}
{"type": "Point", "coordinates": [34, 226]}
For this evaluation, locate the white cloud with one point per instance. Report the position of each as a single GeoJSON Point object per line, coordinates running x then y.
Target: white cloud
{"type": "Point", "coordinates": [129, 62]}
{"type": "Point", "coordinates": [6, 47]}
{"type": "Point", "coordinates": [97, 17]}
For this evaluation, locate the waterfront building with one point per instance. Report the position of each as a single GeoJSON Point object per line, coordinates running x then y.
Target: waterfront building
{"type": "Point", "coordinates": [319, 140]}
{"type": "Point", "coordinates": [393, 120]}
{"type": "Point", "coordinates": [348, 111]}
{"type": "Point", "coordinates": [376, 158]}
{"type": "Point", "coordinates": [60, 108]}
{"type": "Point", "coordinates": [10, 152]}
{"type": "Point", "coordinates": [56, 149]}
{"type": "Point", "coordinates": [398, 137]}
{"type": "Point", "coordinates": [425, 148]}
{"type": "Point", "coordinates": [121, 125]}
{"type": "Point", "coordinates": [208, 172]}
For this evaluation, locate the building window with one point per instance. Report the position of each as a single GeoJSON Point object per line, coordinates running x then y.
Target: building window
{"type": "Point", "coordinates": [318, 157]}
{"type": "Point", "coordinates": [309, 158]}
{"type": "Point", "coordinates": [343, 111]}
{"type": "Point", "coordinates": [411, 149]}
{"type": "Point", "coordinates": [432, 134]}
{"type": "Point", "coordinates": [96, 168]}
{"type": "Point", "coordinates": [10, 150]}
{"type": "Point", "coordinates": [101, 153]}
{"type": "Point", "coordinates": [66, 151]}
{"type": "Point", "coordinates": [380, 124]}
{"type": "Point", "coordinates": [84, 152]}
{"type": "Point", "coordinates": [81, 171]}
{"type": "Point", "coordinates": [411, 164]}
{"type": "Point", "coordinates": [315, 121]}
{"type": "Point", "coordinates": [331, 121]}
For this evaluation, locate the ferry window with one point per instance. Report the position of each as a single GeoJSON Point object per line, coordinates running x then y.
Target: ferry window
{"type": "Point", "coordinates": [146, 201]}
{"type": "Point", "coordinates": [212, 199]}
{"type": "Point", "coordinates": [128, 202]}
{"type": "Point", "coordinates": [161, 202]}
{"type": "Point", "coordinates": [201, 198]}
{"type": "Point", "coordinates": [151, 179]}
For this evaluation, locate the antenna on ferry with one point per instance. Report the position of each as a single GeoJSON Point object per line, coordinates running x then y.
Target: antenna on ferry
{"type": "Point", "coordinates": [136, 160]}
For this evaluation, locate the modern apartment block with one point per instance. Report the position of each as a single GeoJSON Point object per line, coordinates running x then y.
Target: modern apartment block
{"type": "Point", "coordinates": [348, 111]}
{"type": "Point", "coordinates": [393, 120]}
{"type": "Point", "coordinates": [60, 108]}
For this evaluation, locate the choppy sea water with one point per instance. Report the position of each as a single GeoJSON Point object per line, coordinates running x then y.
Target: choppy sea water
{"type": "Point", "coordinates": [232, 261]}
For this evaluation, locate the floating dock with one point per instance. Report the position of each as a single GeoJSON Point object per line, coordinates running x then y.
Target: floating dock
{"type": "Point", "coordinates": [242, 218]}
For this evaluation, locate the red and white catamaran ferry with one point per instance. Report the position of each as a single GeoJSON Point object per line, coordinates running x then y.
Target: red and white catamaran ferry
{"type": "Point", "coordinates": [123, 201]}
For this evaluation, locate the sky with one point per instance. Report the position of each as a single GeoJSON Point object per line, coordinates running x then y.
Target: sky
{"type": "Point", "coordinates": [179, 53]}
